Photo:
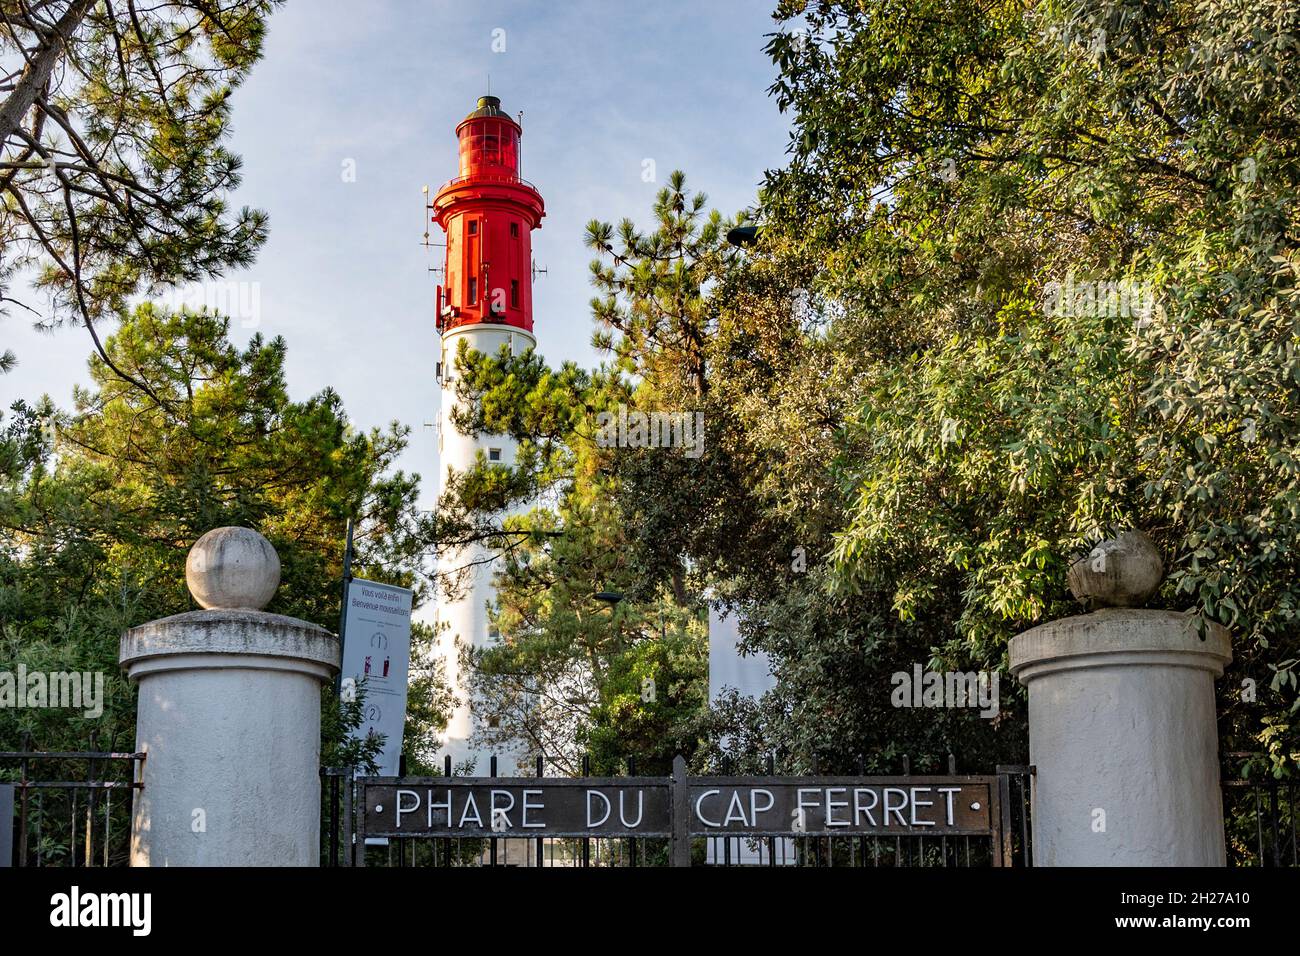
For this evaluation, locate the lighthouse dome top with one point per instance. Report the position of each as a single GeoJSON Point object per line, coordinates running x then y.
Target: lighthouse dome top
{"type": "Point", "coordinates": [488, 106]}
{"type": "Point", "coordinates": [485, 114]}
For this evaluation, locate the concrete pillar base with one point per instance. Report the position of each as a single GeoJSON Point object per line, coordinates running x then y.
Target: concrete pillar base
{"type": "Point", "coordinates": [1122, 731]}
{"type": "Point", "coordinates": [229, 718]}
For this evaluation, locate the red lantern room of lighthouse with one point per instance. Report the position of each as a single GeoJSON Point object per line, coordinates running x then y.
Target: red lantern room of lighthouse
{"type": "Point", "coordinates": [488, 213]}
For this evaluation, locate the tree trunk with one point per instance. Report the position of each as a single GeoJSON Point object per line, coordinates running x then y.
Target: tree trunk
{"type": "Point", "coordinates": [32, 82]}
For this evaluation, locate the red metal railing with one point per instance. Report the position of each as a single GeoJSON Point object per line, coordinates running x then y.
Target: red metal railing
{"type": "Point", "coordinates": [489, 178]}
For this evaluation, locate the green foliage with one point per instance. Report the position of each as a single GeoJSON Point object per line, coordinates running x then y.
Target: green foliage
{"type": "Point", "coordinates": [99, 506]}
{"type": "Point", "coordinates": [951, 162]}
{"type": "Point", "coordinates": [116, 175]}
{"type": "Point", "coordinates": [1028, 279]}
{"type": "Point", "coordinates": [570, 676]}
{"type": "Point", "coordinates": [653, 309]}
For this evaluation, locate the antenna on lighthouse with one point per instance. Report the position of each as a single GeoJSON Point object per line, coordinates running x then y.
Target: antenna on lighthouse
{"type": "Point", "coordinates": [425, 240]}
{"type": "Point", "coordinates": [425, 189]}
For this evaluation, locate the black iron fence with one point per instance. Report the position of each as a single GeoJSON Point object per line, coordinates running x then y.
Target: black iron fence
{"type": "Point", "coordinates": [1260, 822]}
{"type": "Point", "coordinates": [811, 821]}
{"type": "Point", "coordinates": [73, 808]}
{"type": "Point", "coordinates": [69, 808]}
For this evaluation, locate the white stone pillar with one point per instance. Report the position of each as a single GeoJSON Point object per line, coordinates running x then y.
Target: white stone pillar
{"type": "Point", "coordinates": [1122, 733]}
{"type": "Point", "coordinates": [229, 718]}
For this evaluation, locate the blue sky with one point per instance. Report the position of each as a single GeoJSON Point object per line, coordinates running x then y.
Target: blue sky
{"type": "Point", "coordinates": [381, 84]}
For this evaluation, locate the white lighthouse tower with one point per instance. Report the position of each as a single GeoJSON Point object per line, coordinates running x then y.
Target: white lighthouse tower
{"type": "Point", "coordinates": [488, 214]}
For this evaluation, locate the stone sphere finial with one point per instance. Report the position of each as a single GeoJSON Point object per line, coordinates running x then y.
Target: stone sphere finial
{"type": "Point", "coordinates": [232, 568]}
{"type": "Point", "coordinates": [1120, 572]}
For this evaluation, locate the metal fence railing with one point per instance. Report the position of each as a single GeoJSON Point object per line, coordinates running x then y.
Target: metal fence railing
{"type": "Point", "coordinates": [70, 808]}
{"type": "Point", "coordinates": [73, 808]}
{"type": "Point", "coordinates": [1260, 822]}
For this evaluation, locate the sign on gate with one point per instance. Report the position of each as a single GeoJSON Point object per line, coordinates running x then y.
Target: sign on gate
{"type": "Point", "coordinates": [839, 806]}
{"type": "Point", "coordinates": [682, 807]}
{"type": "Point", "coordinates": [517, 806]}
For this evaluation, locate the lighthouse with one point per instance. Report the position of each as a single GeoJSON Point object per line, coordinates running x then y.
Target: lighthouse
{"type": "Point", "coordinates": [486, 300]}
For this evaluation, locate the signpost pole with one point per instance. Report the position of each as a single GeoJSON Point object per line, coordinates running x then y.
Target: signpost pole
{"type": "Point", "coordinates": [349, 827]}
{"type": "Point", "coordinates": [492, 843]}
{"type": "Point", "coordinates": [349, 848]}
{"type": "Point", "coordinates": [343, 607]}
{"type": "Point", "coordinates": [359, 809]}
{"type": "Point", "coordinates": [1002, 855]}
{"type": "Point", "coordinates": [541, 768]}
{"type": "Point", "coordinates": [681, 807]}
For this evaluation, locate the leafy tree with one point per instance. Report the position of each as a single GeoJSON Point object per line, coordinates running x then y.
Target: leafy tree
{"type": "Point", "coordinates": [113, 167]}
{"type": "Point", "coordinates": [1028, 279]}
{"type": "Point", "coordinates": [571, 676]}
{"type": "Point", "coordinates": [653, 307]}
{"type": "Point", "coordinates": [673, 532]}
{"type": "Point", "coordinates": [99, 506]}
{"type": "Point", "coordinates": [955, 166]}
{"type": "Point", "coordinates": [574, 675]}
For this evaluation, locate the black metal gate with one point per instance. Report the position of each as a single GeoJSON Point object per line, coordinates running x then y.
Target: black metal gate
{"type": "Point", "coordinates": [678, 820]}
